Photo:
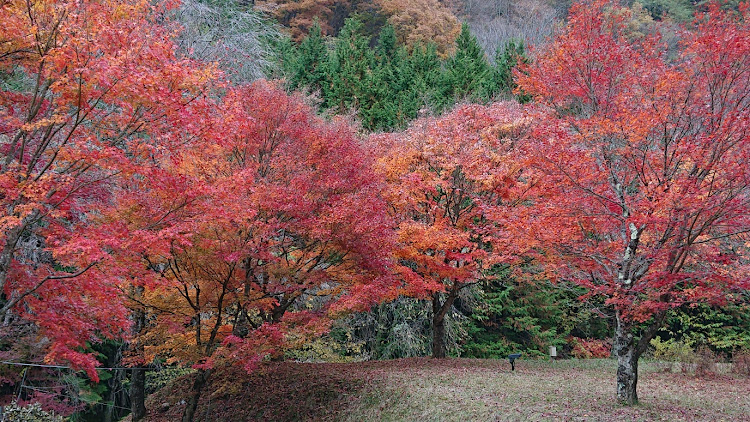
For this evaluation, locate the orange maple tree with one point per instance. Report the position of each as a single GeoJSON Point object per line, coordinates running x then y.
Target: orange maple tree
{"type": "Point", "coordinates": [451, 183]}
{"type": "Point", "coordinates": [89, 90]}
{"type": "Point", "coordinates": [646, 198]}
{"type": "Point", "coordinates": [299, 15]}
{"type": "Point", "coordinates": [256, 236]}
{"type": "Point", "coordinates": [423, 21]}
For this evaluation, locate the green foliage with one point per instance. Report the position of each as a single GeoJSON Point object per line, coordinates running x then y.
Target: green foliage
{"type": "Point", "coordinates": [307, 66]}
{"type": "Point", "coordinates": [672, 350]}
{"type": "Point", "coordinates": [389, 85]}
{"type": "Point", "coordinates": [514, 317]}
{"type": "Point", "coordinates": [682, 10]}
{"type": "Point", "coordinates": [13, 80]}
{"type": "Point", "coordinates": [500, 81]}
{"type": "Point", "coordinates": [465, 73]}
{"type": "Point", "coordinates": [30, 413]}
{"type": "Point", "coordinates": [529, 317]}
{"type": "Point", "coordinates": [387, 44]}
{"type": "Point", "coordinates": [350, 67]}
{"type": "Point", "coordinates": [679, 10]}
{"type": "Point", "coordinates": [724, 330]}
{"type": "Point", "coordinates": [425, 65]}
{"type": "Point", "coordinates": [383, 86]}
{"type": "Point", "coordinates": [158, 379]}
{"type": "Point", "coordinates": [414, 83]}
{"type": "Point", "coordinates": [403, 78]}
{"type": "Point", "coordinates": [89, 392]}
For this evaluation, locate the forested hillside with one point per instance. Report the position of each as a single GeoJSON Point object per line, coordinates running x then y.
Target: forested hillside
{"type": "Point", "coordinates": [196, 191]}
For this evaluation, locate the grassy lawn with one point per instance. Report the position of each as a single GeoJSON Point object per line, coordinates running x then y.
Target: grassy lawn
{"type": "Point", "coordinates": [456, 390]}
{"type": "Point", "coordinates": [462, 389]}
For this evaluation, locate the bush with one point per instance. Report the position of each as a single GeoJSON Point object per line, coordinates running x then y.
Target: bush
{"type": "Point", "coordinates": [156, 380]}
{"type": "Point", "coordinates": [705, 361]}
{"type": "Point", "coordinates": [30, 413]}
{"type": "Point", "coordinates": [589, 348]}
{"type": "Point", "coordinates": [672, 351]}
{"type": "Point", "coordinates": [741, 362]}
{"type": "Point", "coordinates": [701, 360]}
{"type": "Point", "coordinates": [337, 346]}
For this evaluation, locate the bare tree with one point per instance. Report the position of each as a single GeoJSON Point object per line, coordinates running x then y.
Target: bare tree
{"type": "Point", "coordinates": [496, 22]}
{"type": "Point", "coordinates": [239, 39]}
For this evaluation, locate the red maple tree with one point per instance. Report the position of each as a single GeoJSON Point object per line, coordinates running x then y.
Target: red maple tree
{"type": "Point", "coordinates": [90, 89]}
{"type": "Point", "coordinates": [451, 183]}
{"type": "Point", "coordinates": [254, 237]}
{"type": "Point", "coordinates": [646, 197]}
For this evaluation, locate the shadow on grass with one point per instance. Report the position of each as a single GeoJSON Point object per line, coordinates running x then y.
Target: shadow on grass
{"type": "Point", "coordinates": [282, 391]}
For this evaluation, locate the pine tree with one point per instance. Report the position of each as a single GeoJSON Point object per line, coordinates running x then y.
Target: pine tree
{"type": "Point", "coordinates": [350, 69]}
{"type": "Point", "coordinates": [465, 72]}
{"type": "Point", "coordinates": [387, 85]}
{"type": "Point", "coordinates": [500, 80]}
{"type": "Point", "coordinates": [425, 69]}
{"type": "Point", "coordinates": [398, 102]}
{"type": "Point", "coordinates": [387, 44]}
{"type": "Point", "coordinates": [308, 65]}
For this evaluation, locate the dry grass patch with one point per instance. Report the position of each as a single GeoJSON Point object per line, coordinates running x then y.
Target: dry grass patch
{"type": "Point", "coordinates": [426, 389]}
{"type": "Point", "coordinates": [463, 389]}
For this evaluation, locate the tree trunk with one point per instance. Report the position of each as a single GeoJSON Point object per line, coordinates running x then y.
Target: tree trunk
{"type": "Point", "coordinates": [438, 321]}
{"type": "Point", "coordinates": [117, 397]}
{"type": "Point", "coordinates": [138, 394]}
{"type": "Point", "coordinates": [627, 355]}
{"type": "Point", "coordinates": [138, 376]}
{"type": "Point", "coordinates": [241, 327]}
{"type": "Point", "coordinates": [114, 384]}
{"type": "Point", "coordinates": [200, 381]}
{"type": "Point", "coordinates": [438, 336]}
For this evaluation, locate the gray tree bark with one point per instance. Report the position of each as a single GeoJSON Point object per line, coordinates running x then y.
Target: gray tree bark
{"type": "Point", "coordinates": [627, 363]}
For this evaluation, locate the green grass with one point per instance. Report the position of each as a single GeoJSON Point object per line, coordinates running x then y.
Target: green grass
{"type": "Point", "coordinates": [462, 390]}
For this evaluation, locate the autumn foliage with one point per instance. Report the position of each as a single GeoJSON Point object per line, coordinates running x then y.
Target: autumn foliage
{"type": "Point", "coordinates": [275, 225]}
{"type": "Point", "coordinates": [423, 22]}
{"type": "Point", "coordinates": [300, 15]}
{"type": "Point", "coordinates": [253, 236]}
{"type": "Point", "coordinates": [416, 22]}
{"type": "Point", "coordinates": [149, 200]}
{"type": "Point", "coordinates": [647, 186]}
{"type": "Point", "coordinates": [451, 180]}
{"type": "Point", "coordinates": [91, 88]}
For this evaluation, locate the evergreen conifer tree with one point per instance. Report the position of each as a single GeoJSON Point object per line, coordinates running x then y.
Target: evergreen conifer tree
{"type": "Point", "coordinates": [500, 81]}
{"type": "Point", "coordinates": [465, 73]}
{"type": "Point", "coordinates": [387, 85]}
{"type": "Point", "coordinates": [350, 68]}
{"type": "Point", "coordinates": [387, 44]}
{"type": "Point", "coordinates": [399, 99]}
{"type": "Point", "coordinates": [425, 69]}
{"type": "Point", "coordinates": [309, 66]}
